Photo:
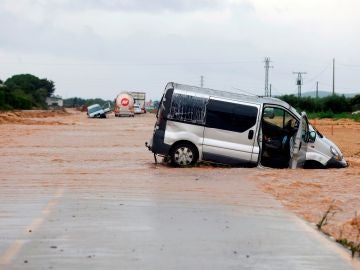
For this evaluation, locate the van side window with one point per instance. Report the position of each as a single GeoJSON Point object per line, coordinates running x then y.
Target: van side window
{"type": "Point", "coordinates": [230, 116]}
{"type": "Point", "coordinates": [280, 118]}
{"type": "Point", "coordinates": [188, 109]}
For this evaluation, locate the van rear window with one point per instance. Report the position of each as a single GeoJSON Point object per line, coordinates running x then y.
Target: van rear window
{"type": "Point", "coordinates": [230, 116]}
{"type": "Point", "coordinates": [187, 108]}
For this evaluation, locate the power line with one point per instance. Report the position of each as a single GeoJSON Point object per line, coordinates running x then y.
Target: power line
{"type": "Point", "coordinates": [317, 75]}
{"type": "Point", "coordinates": [339, 87]}
{"type": "Point", "coordinates": [244, 91]}
{"type": "Point", "coordinates": [348, 65]}
{"type": "Point", "coordinates": [174, 63]}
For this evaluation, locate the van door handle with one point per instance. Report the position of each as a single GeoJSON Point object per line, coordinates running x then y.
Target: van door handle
{"type": "Point", "coordinates": [251, 135]}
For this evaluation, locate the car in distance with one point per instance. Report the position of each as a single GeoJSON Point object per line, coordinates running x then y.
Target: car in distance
{"type": "Point", "coordinates": [137, 109]}
{"type": "Point", "coordinates": [96, 111]}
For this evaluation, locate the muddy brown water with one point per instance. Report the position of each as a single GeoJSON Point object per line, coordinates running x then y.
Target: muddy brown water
{"type": "Point", "coordinates": [45, 160]}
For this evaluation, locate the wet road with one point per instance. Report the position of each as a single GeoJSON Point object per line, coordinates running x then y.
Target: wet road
{"type": "Point", "coordinates": [88, 196]}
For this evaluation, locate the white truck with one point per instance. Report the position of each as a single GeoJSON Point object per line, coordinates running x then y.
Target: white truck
{"type": "Point", "coordinates": [139, 98]}
{"type": "Point", "coordinates": [124, 105]}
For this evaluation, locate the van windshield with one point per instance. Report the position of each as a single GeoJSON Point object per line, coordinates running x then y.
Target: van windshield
{"type": "Point", "coordinates": [94, 109]}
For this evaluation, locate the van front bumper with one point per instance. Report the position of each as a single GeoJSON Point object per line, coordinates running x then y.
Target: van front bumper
{"type": "Point", "coordinates": [334, 163]}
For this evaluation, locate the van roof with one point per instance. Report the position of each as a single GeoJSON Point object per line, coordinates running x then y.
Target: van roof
{"type": "Point", "coordinates": [227, 95]}
{"type": "Point", "coordinates": [93, 106]}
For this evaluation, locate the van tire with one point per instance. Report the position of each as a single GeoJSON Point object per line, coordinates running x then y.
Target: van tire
{"type": "Point", "coordinates": [184, 155]}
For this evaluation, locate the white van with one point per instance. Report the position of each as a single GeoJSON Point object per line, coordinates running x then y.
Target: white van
{"type": "Point", "coordinates": [137, 109]}
{"type": "Point", "coordinates": [198, 124]}
{"type": "Point", "coordinates": [96, 111]}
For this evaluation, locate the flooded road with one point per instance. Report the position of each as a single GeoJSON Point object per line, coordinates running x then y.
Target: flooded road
{"type": "Point", "coordinates": [78, 193]}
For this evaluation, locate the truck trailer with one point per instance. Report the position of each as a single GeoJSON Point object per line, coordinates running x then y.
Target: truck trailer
{"type": "Point", "coordinates": [139, 98]}
{"type": "Point", "coordinates": [124, 105]}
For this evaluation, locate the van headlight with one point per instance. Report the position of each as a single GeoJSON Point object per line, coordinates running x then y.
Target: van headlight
{"type": "Point", "coordinates": [335, 153]}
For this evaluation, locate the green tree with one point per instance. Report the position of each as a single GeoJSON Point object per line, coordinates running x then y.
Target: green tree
{"type": "Point", "coordinates": [78, 102]}
{"type": "Point", "coordinates": [27, 82]}
{"type": "Point", "coordinates": [39, 97]}
{"type": "Point", "coordinates": [2, 99]}
{"type": "Point", "coordinates": [18, 99]}
{"type": "Point", "coordinates": [336, 104]}
{"type": "Point", "coordinates": [355, 103]}
{"type": "Point", "coordinates": [30, 83]}
{"type": "Point", "coordinates": [49, 86]}
{"type": "Point", "coordinates": [25, 91]}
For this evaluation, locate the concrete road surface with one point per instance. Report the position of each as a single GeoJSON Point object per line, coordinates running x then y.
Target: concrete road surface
{"type": "Point", "coordinates": [88, 196]}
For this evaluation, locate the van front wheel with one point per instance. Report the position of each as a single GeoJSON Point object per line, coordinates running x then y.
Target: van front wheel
{"type": "Point", "coordinates": [184, 155]}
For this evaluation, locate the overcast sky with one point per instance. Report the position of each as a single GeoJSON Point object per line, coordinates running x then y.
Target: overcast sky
{"type": "Point", "coordinates": [98, 48]}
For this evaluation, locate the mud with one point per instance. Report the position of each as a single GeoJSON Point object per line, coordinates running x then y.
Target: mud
{"type": "Point", "coordinates": [310, 193]}
{"type": "Point", "coordinates": [346, 134]}
{"type": "Point", "coordinates": [37, 146]}
{"type": "Point", "coordinates": [32, 117]}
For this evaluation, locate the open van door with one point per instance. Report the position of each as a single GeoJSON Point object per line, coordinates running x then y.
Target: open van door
{"type": "Point", "coordinates": [298, 144]}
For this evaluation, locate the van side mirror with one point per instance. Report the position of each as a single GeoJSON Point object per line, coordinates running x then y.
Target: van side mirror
{"type": "Point", "coordinates": [269, 113]}
{"type": "Point", "coordinates": [312, 136]}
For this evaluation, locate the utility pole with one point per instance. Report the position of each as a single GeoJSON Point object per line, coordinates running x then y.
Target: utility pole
{"type": "Point", "coordinates": [333, 86]}
{"type": "Point", "coordinates": [317, 89]}
{"type": "Point", "coordinates": [270, 89]}
{"type": "Point", "coordinates": [267, 66]}
{"type": "Point", "coordinates": [299, 81]}
{"type": "Point", "coordinates": [201, 81]}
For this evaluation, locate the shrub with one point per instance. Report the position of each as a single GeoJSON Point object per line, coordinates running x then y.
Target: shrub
{"type": "Point", "coordinates": [336, 104]}
{"type": "Point", "coordinates": [355, 103]}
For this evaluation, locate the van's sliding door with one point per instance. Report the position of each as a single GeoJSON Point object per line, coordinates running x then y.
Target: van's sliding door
{"type": "Point", "coordinates": [230, 132]}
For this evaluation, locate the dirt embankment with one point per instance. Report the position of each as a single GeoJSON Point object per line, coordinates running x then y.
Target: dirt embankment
{"type": "Point", "coordinates": [346, 134]}
{"type": "Point", "coordinates": [33, 117]}
{"type": "Point", "coordinates": [311, 193]}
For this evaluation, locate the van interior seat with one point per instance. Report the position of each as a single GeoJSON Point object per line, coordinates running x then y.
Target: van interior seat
{"type": "Point", "coordinates": [276, 144]}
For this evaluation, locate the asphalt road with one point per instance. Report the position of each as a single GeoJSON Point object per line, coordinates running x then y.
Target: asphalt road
{"type": "Point", "coordinates": [88, 196]}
